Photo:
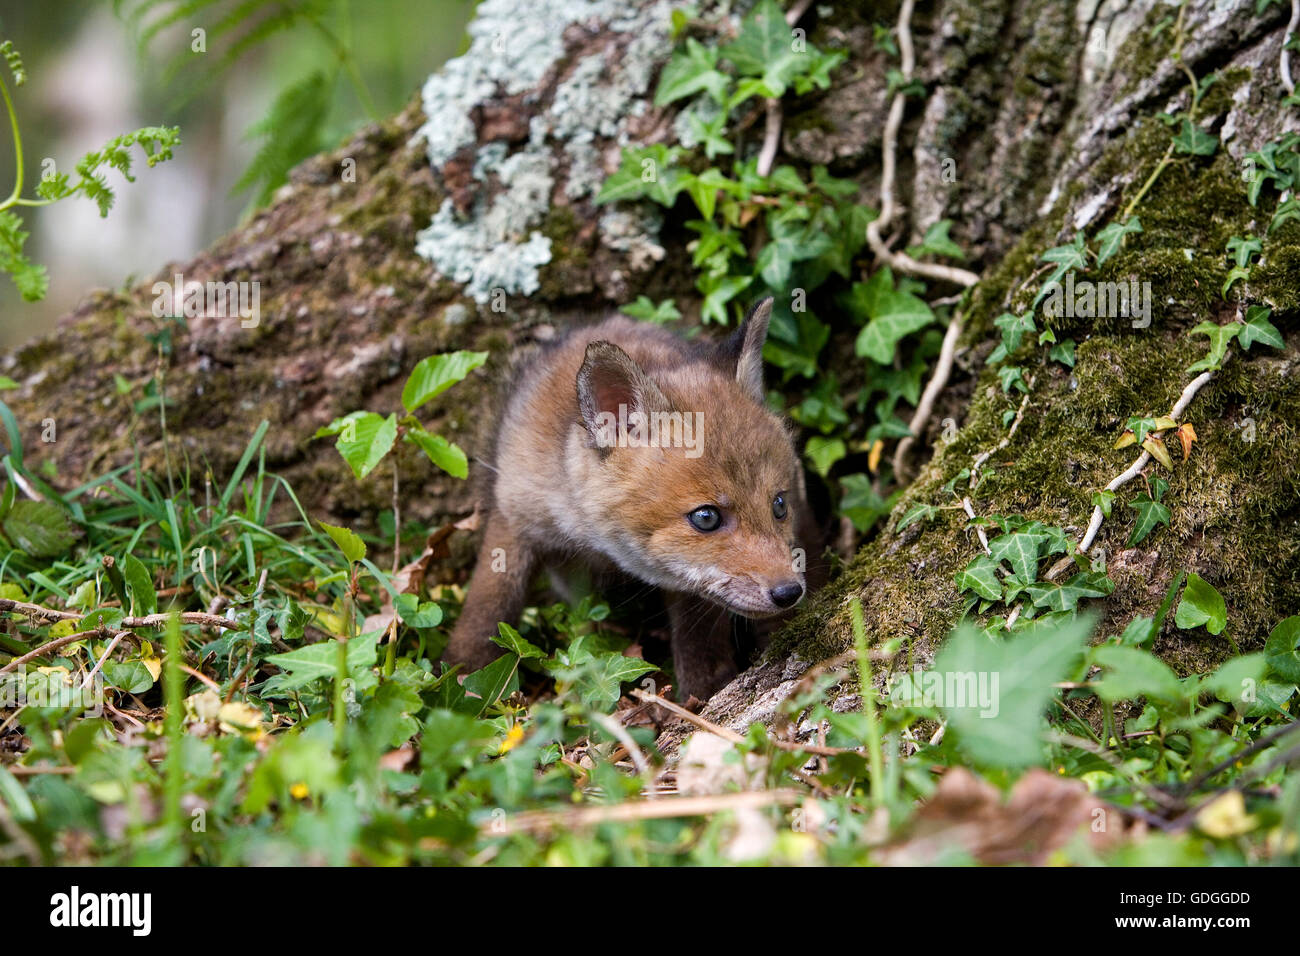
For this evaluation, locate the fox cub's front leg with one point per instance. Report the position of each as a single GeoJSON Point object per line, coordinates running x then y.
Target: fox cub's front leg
{"type": "Point", "coordinates": [496, 593]}
{"type": "Point", "coordinates": [704, 650]}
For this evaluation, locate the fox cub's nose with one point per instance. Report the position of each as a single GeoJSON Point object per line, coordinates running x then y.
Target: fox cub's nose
{"type": "Point", "coordinates": [786, 594]}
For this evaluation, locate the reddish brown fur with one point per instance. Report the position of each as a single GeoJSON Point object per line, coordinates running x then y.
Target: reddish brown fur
{"type": "Point", "coordinates": [557, 495]}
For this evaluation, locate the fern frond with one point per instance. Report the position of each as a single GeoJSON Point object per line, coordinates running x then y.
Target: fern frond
{"type": "Point", "coordinates": [178, 13]}
{"type": "Point", "coordinates": [290, 132]}
{"type": "Point", "coordinates": [15, 62]}
{"type": "Point", "coordinates": [32, 280]}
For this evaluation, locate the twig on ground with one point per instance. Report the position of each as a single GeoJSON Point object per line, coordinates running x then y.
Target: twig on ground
{"type": "Point", "coordinates": [619, 733]}
{"type": "Point", "coordinates": [44, 649]}
{"type": "Point", "coordinates": [731, 735]}
{"type": "Point", "coordinates": [532, 821]}
{"type": "Point", "coordinates": [117, 639]}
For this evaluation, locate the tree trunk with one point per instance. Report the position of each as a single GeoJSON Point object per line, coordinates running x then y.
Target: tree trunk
{"type": "Point", "coordinates": [470, 223]}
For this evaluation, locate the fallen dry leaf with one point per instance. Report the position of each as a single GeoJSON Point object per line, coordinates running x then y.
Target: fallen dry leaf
{"type": "Point", "coordinates": [410, 579]}
{"type": "Point", "coordinates": [967, 815]}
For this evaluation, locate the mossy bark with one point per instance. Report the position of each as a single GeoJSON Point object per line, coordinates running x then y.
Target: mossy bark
{"type": "Point", "coordinates": [1049, 129]}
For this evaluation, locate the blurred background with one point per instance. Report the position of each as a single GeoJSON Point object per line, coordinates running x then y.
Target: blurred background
{"type": "Point", "coordinates": [253, 94]}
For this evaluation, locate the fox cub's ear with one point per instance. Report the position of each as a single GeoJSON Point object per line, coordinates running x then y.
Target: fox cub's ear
{"type": "Point", "coordinates": [744, 348]}
{"type": "Point", "coordinates": [609, 377]}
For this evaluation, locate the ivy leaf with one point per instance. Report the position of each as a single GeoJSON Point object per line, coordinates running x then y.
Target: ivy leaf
{"type": "Point", "coordinates": [1132, 673]}
{"type": "Point", "coordinates": [1194, 141]}
{"type": "Point", "coordinates": [981, 576]}
{"type": "Point", "coordinates": [645, 309]}
{"type": "Point", "coordinates": [764, 47]}
{"type": "Point", "coordinates": [822, 453]}
{"type": "Point", "coordinates": [1259, 329]}
{"type": "Point", "coordinates": [892, 314]}
{"type": "Point", "coordinates": [1220, 336]}
{"type": "Point", "coordinates": [862, 504]}
{"type": "Point", "coordinates": [1280, 649]}
{"type": "Point", "coordinates": [1103, 499]}
{"type": "Point", "coordinates": [1066, 597]}
{"type": "Point", "coordinates": [918, 512]}
{"type": "Point", "coordinates": [319, 661]}
{"type": "Point", "coordinates": [1063, 353]}
{"type": "Point", "coordinates": [447, 456]}
{"type": "Point", "coordinates": [1008, 733]}
{"type": "Point", "coordinates": [1155, 446]}
{"type": "Point", "coordinates": [1012, 376]}
{"type": "Point", "coordinates": [1020, 549]}
{"type": "Point", "coordinates": [649, 172]}
{"type": "Point", "coordinates": [509, 638]}
{"type": "Point", "coordinates": [1287, 210]}
{"type": "Point", "coordinates": [710, 133]}
{"type": "Point", "coordinates": [1073, 256]}
{"type": "Point", "coordinates": [1013, 329]}
{"type": "Point", "coordinates": [791, 242]}
{"type": "Point", "coordinates": [690, 71]}
{"type": "Point", "coordinates": [1242, 250]}
{"type": "Point", "coordinates": [1234, 274]}
{"type": "Point", "coordinates": [437, 373]}
{"type": "Point", "coordinates": [1201, 604]}
{"type": "Point", "coordinates": [1150, 514]}
{"type": "Point", "coordinates": [1111, 238]}
{"type": "Point", "coordinates": [703, 189]}
{"type": "Point", "coordinates": [718, 292]}
{"type": "Point", "coordinates": [938, 243]}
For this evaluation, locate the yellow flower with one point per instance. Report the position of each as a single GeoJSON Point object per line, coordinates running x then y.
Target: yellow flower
{"type": "Point", "coordinates": [299, 791]}
{"type": "Point", "coordinates": [513, 736]}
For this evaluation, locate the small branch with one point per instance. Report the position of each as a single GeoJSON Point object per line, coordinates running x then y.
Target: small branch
{"type": "Point", "coordinates": [36, 610]}
{"type": "Point", "coordinates": [938, 379]}
{"type": "Point", "coordinates": [150, 620]}
{"type": "Point", "coordinates": [774, 115]}
{"type": "Point", "coordinates": [44, 649]}
{"type": "Point", "coordinates": [796, 12]}
{"type": "Point", "coordinates": [970, 513]}
{"type": "Point", "coordinates": [619, 733]}
{"type": "Point", "coordinates": [533, 821]}
{"type": "Point", "coordinates": [187, 617]}
{"type": "Point", "coordinates": [117, 639]}
{"type": "Point", "coordinates": [1284, 61]}
{"type": "Point", "coordinates": [731, 735]}
{"type": "Point", "coordinates": [889, 166]}
{"type": "Point", "coordinates": [771, 138]}
{"type": "Point", "coordinates": [1006, 439]}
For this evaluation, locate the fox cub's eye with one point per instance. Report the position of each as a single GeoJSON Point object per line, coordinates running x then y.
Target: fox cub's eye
{"type": "Point", "coordinates": [706, 518]}
{"type": "Point", "coordinates": [778, 508]}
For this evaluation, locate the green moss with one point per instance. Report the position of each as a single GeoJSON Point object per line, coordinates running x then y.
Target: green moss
{"type": "Point", "coordinates": [1235, 502]}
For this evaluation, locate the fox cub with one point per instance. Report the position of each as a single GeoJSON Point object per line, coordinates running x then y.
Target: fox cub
{"type": "Point", "coordinates": [627, 448]}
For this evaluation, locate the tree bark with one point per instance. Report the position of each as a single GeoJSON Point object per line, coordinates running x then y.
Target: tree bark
{"type": "Point", "coordinates": [471, 224]}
